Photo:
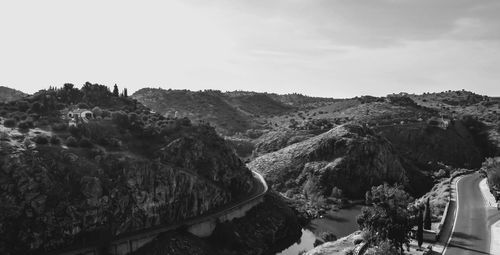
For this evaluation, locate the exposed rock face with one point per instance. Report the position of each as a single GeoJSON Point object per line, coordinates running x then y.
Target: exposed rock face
{"type": "Point", "coordinates": [52, 197]}
{"type": "Point", "coordinates": [348, 157]}
{"type": "Point", "coordinates": [208, 156]}
{"type": "Point", "coordinates": [275, 140]}
{"type": "Point", "coordinates": [423, 143]}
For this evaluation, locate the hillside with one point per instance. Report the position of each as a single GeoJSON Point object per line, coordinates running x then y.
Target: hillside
{"type": "Point", "coordinates": [123, 169]}
{"type": "Point", "coordinates": [229, 112]}
{"type": "Point", "coordinates": [8, 94]}
{"type": "Point", "coordinates": [348, 157]}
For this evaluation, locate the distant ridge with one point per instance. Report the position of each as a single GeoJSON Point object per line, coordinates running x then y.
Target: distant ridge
{"type": "Point", "coordinates": [9, 94]}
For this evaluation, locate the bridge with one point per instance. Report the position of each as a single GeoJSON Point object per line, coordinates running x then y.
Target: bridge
{"type": "Point", "coordinates": [201, 226]}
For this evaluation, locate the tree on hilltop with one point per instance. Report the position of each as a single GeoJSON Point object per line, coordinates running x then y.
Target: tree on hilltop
{"type": "Point", "coordinates": [115, 91]}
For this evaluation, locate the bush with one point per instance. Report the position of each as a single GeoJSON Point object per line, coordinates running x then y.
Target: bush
{"type": "Point", "coordinates": [59, 126]}
{"type": "Point", "coordinates": [120, 118]}
{"type": "Point", "coordinates": [106, 113]}
{"type": "Point", "coordinates": [386, 248]}
{"type": "Point", "coordinates": [55, 140]}
{"type": "Point", "coordinates": [22, 105]}
{"type": "Point", "coordinates": [41, 139]}
{"type": "Point", "coordinates": [36, 107]}
{"type": "Point", "coordinates": [97, 112]}
{"type": "Point", "coordinates": [25, 124]}
{"type": "Point", "coordinates": [10, 123]}
{"type": "Point", "coordinates": [75, 131]}
{"type": "Point", "coordinates": [85, 143]}
{"type": "Point", "coordinates": [71, 141]}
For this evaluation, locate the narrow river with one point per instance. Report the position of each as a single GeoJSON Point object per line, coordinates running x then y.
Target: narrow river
{"type": "Point", "coordinates": [340, 223]}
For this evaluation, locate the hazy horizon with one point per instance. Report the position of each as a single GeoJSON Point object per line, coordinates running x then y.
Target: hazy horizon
{"type": "Point", "coordinates": [335, 48]}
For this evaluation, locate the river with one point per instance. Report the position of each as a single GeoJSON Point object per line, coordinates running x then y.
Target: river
{"type": "Point", "coordinates": [341, 223]}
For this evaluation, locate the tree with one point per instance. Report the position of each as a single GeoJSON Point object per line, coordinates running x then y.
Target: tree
{"type": "Point", "coordinates": [115, 91]}
{"type": "Point", "coordinates": [125, 93]}
{"type": "Point", "coordinates": [427, 215]}
{"type": "Point", "coordinates": [388, 218]}
{"type": "Point", "coordinates": [420, 228]}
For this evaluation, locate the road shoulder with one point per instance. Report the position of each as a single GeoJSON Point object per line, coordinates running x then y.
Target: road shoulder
{"type": "Point", "coordinates": [489, 201]}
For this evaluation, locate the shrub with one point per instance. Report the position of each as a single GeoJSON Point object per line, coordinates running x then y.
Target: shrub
{"type": "Point", "coordinates": [71, 141]}
{"type": "Point", "coordinates": [97, 112]}
{"type": "Point", "coordinates": [106, 113]}
{"type": "Point", "coordinates": [55, 140]}
{"type": "Point", "coordinates": [386, 248]}
{"type": "Point", "coordinates": [85, 143]}
{"type": "Point", "coordinates": [22, 105]}
{"type": "Point", "coordinates": [120, 118]}
{"type": "Point", "coordinates": [75, 131]}
{"type": "Point", "coordinates": [10, 123]}
{"type": "Point", "coordinates": [36, 107]}
{"type": "Point", "coordinates": [25, 124]}
{"type": "Point", "coordinates": [41, 139]}
{"type": "Point", "coordinates": [59, 126]}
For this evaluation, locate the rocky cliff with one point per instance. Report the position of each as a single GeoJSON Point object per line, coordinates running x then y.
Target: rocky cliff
{"type": "Point", "coordinates": [121, 171]}
{"type": "Point", "coordinates": [348, 157]}
{"type": "Point", "coordinates": [423, 143]}
{"type": "Point", "coordinates": [52, 197]}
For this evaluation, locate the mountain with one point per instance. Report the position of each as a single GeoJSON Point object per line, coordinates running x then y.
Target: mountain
{"type": "Point", "coordinates": [118, 168]}
{"type": "Point", "coordinates": [348, 157]}
{"type": "Point", "coordinates": [229, 112]}
{"type": "Point", "coordinates": [8, 94]}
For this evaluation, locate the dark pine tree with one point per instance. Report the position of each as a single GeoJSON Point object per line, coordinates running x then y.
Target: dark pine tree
{"type": "Point", "coordinates": [427, 215]}
{"type": "Point", "coordinates": [125, 93]}
{"type": "Point", "coordinates": [420, 228]}
{"type": "Point", "coordinates": [115, 91]}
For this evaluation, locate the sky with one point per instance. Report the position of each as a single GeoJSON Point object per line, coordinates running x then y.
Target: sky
{"type": "Point", "coordinates": [330, 48]}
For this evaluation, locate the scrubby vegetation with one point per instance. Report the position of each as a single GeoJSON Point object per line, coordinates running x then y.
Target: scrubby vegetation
{"type": "Point", "coordinates": [491, 168]}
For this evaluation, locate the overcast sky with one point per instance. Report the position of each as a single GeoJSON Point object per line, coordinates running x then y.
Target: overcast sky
{"type": "Point", "coordinates": [334, 48]}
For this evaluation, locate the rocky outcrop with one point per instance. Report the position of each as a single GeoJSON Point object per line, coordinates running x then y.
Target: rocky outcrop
{"type": "Point", "coordinates": [275, 140]}
{"type": "Point", "coordinates": [208, 156]}
{"type": "Point", "coordinates": [52, 197]}
{"type": "Point", "coordinates": [348, 157]}
{"type": "Point", "coordinates": [422, 143]}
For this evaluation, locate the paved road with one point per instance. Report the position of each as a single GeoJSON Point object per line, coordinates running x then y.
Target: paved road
{"type": "Point", "coordinates": [471, 234]}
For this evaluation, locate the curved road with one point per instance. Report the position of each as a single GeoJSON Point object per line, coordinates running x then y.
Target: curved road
{"type": "Point", "coordinates": [471, 233]}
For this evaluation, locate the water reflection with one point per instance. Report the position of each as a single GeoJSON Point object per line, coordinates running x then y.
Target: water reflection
{"type": "Point", "coordinates": [340, 223]}
{"type": "Point", "coordinates": [305, 243]}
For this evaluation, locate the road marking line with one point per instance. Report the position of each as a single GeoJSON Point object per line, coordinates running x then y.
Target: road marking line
{"type": "Point", "coordinates": [455, 215]}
